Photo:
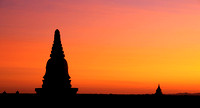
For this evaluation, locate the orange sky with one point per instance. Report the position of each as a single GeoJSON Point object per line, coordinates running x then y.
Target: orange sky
{"type": "Point", "coordinates": [115, 46]}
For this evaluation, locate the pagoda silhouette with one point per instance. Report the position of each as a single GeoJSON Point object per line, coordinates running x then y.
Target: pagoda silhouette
{"type": "Point", "coordinates": [158, 91]}
{"type": "Point", "coordinates": [56, 79]}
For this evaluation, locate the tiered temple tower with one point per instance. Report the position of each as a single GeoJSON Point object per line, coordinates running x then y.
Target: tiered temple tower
{"type": "Point", "coordinates": [158, 91]}
{"type": "Point", "coordinates": [56, 79]}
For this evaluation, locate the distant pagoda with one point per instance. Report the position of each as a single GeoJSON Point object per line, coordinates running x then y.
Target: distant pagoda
{"type": "Point", "coordinates": [56, 79]}
{"type": "Point", "coordinates": [158, 91]}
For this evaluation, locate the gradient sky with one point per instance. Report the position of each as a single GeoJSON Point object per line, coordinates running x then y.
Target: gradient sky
{"type": "Point", "coordinates": [112, 46]}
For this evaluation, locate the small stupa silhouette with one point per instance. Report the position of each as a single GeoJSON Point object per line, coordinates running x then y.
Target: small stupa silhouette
{"type": "Point", "coordinates": [17, 92]}
{"type": "Point", "coordinates": [4, 93]}
{"type": "Point", "coordinates": [158, 91]}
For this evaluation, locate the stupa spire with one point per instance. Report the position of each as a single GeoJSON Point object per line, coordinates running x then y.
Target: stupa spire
{"type": "Point", "coordinates": [57, 36]}
{"type": "Point", "coordinates": [57, 50]}
{"type": "Point", "coordinates": [158, 91]}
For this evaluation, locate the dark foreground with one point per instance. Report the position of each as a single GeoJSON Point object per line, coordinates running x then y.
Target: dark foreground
{"type": "Point", "coordinates": [100, 100]}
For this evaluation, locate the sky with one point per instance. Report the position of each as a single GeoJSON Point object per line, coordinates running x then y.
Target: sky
{"type": "Point", "coordinates": [111, 46]}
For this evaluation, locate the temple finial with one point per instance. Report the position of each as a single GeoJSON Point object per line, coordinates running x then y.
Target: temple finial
{"type": "Point", "coordinates": [57, 32]}
{"type": "Point", "coordinates": [57, 36]}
